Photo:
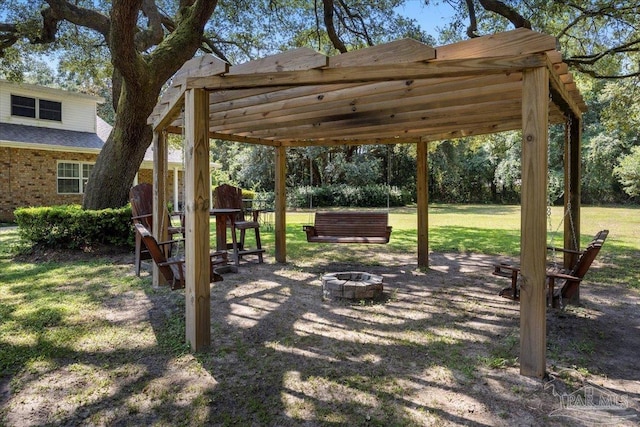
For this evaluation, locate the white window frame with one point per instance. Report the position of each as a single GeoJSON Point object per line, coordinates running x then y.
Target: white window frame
{"type": "Point", "coordinates": [81, 178]}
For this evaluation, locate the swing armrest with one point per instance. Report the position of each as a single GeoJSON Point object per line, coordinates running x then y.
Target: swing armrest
{"type": "Point", "coordinates": [498, 269]}
{"type": "Point", "coordinates": [551, 276]}
{"type": "Point", "coordinates": [510, 272]}
{"type": "Point", "coordinates": [571, 251]}
{"type": "Point", "coordinates": [310, 230]}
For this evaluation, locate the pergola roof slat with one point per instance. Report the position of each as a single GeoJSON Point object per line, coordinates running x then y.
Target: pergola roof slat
{"type": "Point", "coordinates": [352, 98]}
{"type": "Point", "coordinates": [297, 59]}
{"type": "Point", "coordinates": [395, 52]}
{"type": "Point", "coordinates": [455, 118]}
{"type": "Point", "coordinates": [384, 72]}
{"type": "Point", "coordinates": [373, 109]}
{"type": "Point", "coordinates": [561, 95]}
{"type": "Point", "coordinates": [205, 65]}
{"type": "Point", "coordinates": [509, 43]}
{"type": "Point", "coordinates": [304, 94]}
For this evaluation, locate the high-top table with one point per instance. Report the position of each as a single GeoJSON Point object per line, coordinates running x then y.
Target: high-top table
{"type": "Point", "coordinates": [222, 217]}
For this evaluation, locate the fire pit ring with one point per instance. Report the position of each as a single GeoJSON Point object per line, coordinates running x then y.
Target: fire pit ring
{"type": "Point", "coordinates": [354, 285]}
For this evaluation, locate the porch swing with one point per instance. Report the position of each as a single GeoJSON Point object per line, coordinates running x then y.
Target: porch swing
{"type": "Point", "coordinates": [349, 226]}
{"type": "Point", "coordinates": [571, 277]}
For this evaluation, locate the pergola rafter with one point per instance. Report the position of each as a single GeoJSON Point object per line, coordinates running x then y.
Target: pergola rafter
{"type": "Point", "coordinates": [399, 92]}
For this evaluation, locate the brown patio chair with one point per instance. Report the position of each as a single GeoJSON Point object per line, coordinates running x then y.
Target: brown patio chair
{"type": "Point", "coordinates": [229, 197]}
{"type": "Point", "coordinates": [173, 268]}
{"type": "Point", "coordinates": [569, 278]}
{"type": "Point", "coordinates": [141, 198]}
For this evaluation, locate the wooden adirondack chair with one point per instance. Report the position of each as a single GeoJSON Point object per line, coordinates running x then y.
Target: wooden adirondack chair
{"type": "Point", "coordinates": [569, 278]}
{"type": "Point", "coordinates": [141, 198]}
{"type": "Point", "coordinates": [229, 197]}
{"type": "Point", "coordinates": [173, 268]}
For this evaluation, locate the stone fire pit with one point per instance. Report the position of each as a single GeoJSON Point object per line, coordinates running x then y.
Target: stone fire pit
{"type": "Point", "coordinates": [355, 285]}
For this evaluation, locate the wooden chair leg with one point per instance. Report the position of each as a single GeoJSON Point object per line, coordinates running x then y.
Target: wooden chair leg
{"type": "Point", "coordinates": [258, 244]}
{"type": "Point", "coordinates": [138, 260]}
{"type": "Point", "coordinates": [514, 285]}
{"type": "Point", "coordinates": [243, 233]}
{"type": "Point", "coordinates": [236, 252]}
{"type": "Point", "coordinates": [551, 300]}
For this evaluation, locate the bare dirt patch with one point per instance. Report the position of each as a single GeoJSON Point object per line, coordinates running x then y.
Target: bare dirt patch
{"type": "Point", "coordinates": [440, 349]}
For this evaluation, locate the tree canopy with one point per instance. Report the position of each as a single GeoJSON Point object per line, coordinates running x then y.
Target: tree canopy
{"type": "Point", "coordinates": [126, 50]}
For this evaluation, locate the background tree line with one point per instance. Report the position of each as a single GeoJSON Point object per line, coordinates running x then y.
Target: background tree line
{"type": "Point", "coordinates": [473, 170]}
{"type": "Point", "coordinates": [125, 50]}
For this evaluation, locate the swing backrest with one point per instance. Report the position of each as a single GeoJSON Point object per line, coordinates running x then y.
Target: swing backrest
{"type": "Point", "coordinates": [584, 263]}
{"type": "Point", "coordinates": [349, 227]}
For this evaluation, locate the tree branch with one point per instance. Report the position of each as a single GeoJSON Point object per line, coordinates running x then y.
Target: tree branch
{"type": "Point", "coordinates": [502, 9]}
{"type": "Point", "coordinates": [59, 10]}
{"type": "Point", "coordinates": [184, 41]}
{"type": "Point", "coordinates": [330, 26]}
{"type": "Point", "coordinates": [584, 63]}
{"type": "Point", "coordinates": [154, 32]}
{"type": "Point", "coordinates": [212, 48]}
{"type": "Point", "coordinates": [591, 72]}
{"type": "Point", "coordinates": [8, 36]}
{"type": "Point", "coordinates": [125, 58]}
{"type": "Point", "coordinates": [473, 22]}
{"type": "Point", "coordinates": [208, 45]}
{"type": "Point", "coordinates": [356, 17]}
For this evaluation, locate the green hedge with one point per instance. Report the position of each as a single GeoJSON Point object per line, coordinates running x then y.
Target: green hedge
{"type": "Point", "coordinates": [375, 195]}
{"type": "Point", "coordinates": [70, 226]}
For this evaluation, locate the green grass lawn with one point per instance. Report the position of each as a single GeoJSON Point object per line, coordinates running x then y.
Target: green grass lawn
{"type": "Point", "coordinates": [486, 229]}
{"type": "Point", "coordinates": [54, 311]}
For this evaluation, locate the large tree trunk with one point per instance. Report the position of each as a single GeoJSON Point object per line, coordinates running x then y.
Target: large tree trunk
{"type": "Point", "coordinates": [122, 154]}
{"type": "Point", "coordinates": [141, 77]}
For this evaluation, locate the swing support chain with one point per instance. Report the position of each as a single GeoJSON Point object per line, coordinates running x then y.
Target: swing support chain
{"type": "Point", "coordinates": [568, 210]}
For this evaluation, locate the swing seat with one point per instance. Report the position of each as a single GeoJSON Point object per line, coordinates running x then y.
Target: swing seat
{"type": "Point", "coordinates": [569, 278]}
{"type": "Point", "coordinates": [349, 227]}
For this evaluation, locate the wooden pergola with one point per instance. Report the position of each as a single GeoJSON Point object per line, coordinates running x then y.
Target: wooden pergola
{"type": "Point", "coordinates": [400, 92]}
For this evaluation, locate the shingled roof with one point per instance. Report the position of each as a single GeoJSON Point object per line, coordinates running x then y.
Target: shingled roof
{"type": "Point", "coordinates": [34, 137]}
{"type": "Point", "coordinates": [49, 138]}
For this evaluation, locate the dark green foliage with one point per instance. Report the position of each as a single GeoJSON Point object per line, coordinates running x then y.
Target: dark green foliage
{"type": "Point", "coordinates": [69, 226]}
{"type": "Point", "coordinates": [374, 195]}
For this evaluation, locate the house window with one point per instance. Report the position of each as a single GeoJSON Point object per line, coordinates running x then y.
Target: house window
{"type": "Point", "coordinates": [73, 177]}
{"type": "Point", "coordinates": [24, 106]}
{"type": "Point", "coordinates": [50, 110]}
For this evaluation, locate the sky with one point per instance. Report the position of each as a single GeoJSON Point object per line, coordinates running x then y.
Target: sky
{"type": "Point", "coordinates": [428, 17]}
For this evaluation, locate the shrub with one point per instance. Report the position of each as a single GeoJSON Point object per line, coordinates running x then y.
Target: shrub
{"type": "Point", "coordinates": [374, 195]}
{"type": "Point", "coordinates": [69, 226]}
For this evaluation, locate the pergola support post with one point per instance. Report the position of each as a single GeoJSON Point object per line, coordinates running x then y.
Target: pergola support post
{"type": "Point", "coordinates": [160, 227]}
{"type": "Point", "coordinates": [533, 325]}
{"type": "Point", "coordinates": [572, 176]}
{"type": "Point", "coordinates": [176, 189]}
{"type": "Point", "coordinates": [281, 204]}
{"type": "Point", "coordinates": [423, 204]}
{"type": "Point", "coordinates": [197, 234]}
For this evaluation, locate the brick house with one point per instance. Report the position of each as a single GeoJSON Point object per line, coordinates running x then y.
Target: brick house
{"type": "Point", "coordinates": [49, 141]}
